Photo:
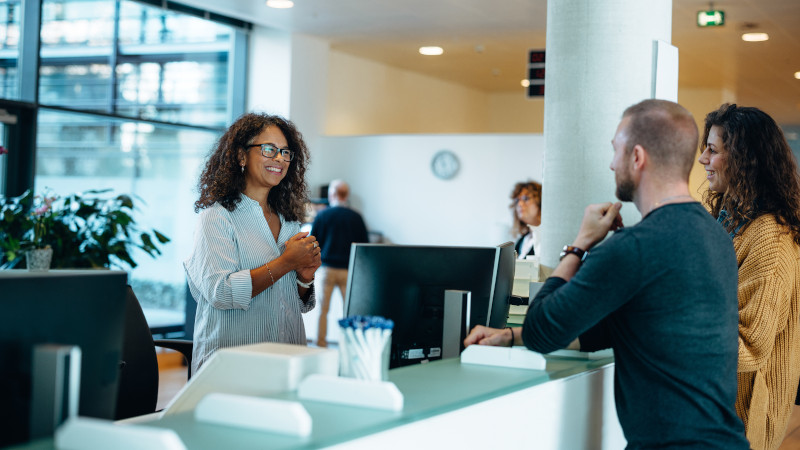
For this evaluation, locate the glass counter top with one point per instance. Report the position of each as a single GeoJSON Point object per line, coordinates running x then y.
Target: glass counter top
{"type": "Point", "coordinates": [429, 389]}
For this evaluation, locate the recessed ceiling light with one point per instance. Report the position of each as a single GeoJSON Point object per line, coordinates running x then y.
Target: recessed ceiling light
{"type": "Point", "coordinates": [755, 37]}
{"type": "Point", "coordinates": [525, 83]}
{"type": "Point", "coordinates": [280, 4]}
{"type": "Point", "coordinates": [797, 75]}
{"type": "Point", "coordinates": [431, 51]}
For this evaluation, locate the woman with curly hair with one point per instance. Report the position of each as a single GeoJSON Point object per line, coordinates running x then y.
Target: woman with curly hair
{"type": "Point", "coordinates": [754, 191]}
{"type": "Point", "coordinates": [526, 207]}
{"type": "Point", "coordinates": [251, 270]}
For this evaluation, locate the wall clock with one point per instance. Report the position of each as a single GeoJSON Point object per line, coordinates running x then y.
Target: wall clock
{"type": "Point", "coordinates": [445, 164]}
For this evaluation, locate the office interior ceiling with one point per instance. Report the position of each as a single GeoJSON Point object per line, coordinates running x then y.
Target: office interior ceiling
{"type": "Point", "coordinates": [486, 42]}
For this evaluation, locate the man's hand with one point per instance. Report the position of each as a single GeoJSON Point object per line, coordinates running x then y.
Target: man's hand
{"type": "Point", "coordinates": [488, 336]}
{"type": "Point", "coordinates": [598, 220]}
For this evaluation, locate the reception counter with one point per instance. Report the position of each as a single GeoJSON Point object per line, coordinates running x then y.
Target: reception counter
{"type": "Point", "coordinates": [452, 405]}
{"type": "Point", "coordinates": [447, 405]}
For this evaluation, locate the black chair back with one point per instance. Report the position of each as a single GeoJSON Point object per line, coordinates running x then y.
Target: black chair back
{"type": "Point", "coordinates": [138, 383]}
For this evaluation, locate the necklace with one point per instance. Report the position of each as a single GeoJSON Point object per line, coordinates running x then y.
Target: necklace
{"type": "Point", "coordinates": [269, 216]}
{"type": "Point", "coordinates": [664, 200]}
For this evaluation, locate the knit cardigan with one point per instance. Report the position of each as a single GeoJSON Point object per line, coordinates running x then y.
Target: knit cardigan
{"type": "Point", "coordinates": [769, 330]}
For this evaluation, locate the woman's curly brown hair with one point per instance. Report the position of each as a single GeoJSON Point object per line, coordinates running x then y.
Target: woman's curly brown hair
{"type": "Point", "coordinates": [222, 180]}
{"type": "Point", "coordinates": [761, 169]}
{"type": "Point", "coordinates": [520, 227]}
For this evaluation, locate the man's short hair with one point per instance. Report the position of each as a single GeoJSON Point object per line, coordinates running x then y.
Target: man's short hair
{"type": "Point", "coordinates": [668, 133]}
{"type": "Point", "coordinates": [339, 189]}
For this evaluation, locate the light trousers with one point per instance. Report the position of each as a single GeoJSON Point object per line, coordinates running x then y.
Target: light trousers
{"type": "Point", "coordinates": [328, 278]}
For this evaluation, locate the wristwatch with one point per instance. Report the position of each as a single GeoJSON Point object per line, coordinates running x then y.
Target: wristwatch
{"type": "Point", "coordinates": [579, 252]}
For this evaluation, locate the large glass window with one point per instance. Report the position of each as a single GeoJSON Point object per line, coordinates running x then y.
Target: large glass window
{"type": "Point", "coordinates": [10, 11]}
{"type": "Point", "coordinates": [131, 97]}
{"type": "Point", "coordinates": [159, 164]}
{"type": "Point", "coordinates": [135, 60]}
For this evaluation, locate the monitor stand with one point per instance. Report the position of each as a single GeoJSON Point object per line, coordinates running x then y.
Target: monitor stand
{"type": "Point", "coordinates": [457, 305]}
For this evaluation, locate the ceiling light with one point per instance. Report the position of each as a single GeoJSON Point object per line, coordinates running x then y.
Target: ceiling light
{"type": "Point", "coordinates": [755, 37]}
{"type": "Point", "coordinates": [797, 75]}
{"type": "Point", "coordinates": [525, 83]}
{"type": "Point", "coordinates": [280, 4]}
{"type": "Point", "coordinates": [431, 51]}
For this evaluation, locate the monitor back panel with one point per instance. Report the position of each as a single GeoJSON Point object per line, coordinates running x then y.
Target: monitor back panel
{"type": "Point", "coordinates": [72, 307]}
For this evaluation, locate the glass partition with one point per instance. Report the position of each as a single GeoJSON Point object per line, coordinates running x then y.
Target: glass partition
{"type": "Point", "coordinates": [158, 165]}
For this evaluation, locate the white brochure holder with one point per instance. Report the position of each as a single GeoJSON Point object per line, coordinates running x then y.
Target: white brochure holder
{"type": "Point", "coordinates": [264, 414]}
{"type": "Point", "coordinates": [85, 433]}
{"type": "Point", "coordinates": [351, 391]}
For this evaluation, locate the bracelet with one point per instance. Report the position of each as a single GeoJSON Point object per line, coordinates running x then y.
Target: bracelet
{"type": "Point", "coordinates": [305, 285]}
{"type": "Point", "coordinates": [270, 275]}
{"type": "Point", "coordinates": [512, 336]}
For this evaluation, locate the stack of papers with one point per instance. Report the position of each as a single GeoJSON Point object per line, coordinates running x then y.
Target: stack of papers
{"type": "Point", "coordinates": [516, 314]}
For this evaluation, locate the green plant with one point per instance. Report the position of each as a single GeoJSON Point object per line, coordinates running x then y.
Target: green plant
{"type": "Point", "coordinates": [14, 225]}
{"type": "Point", "coordinates": [88, 230]}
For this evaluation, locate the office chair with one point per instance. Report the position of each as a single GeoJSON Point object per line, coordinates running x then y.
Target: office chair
{"type": "Point", "coordinates": [137, 393]}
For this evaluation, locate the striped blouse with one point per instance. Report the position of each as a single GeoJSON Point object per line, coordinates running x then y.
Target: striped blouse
{"type": "Point", "coordinates": [227, 244]}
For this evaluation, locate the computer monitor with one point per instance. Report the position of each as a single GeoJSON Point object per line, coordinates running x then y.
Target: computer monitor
{"type": "Point", "coordinates": [503, 279]}
{"type": "Point", "coordinates": [407, 284]}
{"type": "Point", "coordinates": [71, 307]}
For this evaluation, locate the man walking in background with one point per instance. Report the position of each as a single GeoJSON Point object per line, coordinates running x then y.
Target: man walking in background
{"type": "Point", "coordinates": [336, 228]}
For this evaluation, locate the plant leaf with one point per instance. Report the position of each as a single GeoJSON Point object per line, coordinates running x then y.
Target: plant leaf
{"type": "Point", "coordinates": [161, 238]}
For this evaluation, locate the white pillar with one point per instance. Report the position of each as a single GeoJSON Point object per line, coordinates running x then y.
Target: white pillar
{"type": "Point", "coordinates": [269, 71]}
{"type": "Point", "coordinates": [600, 60]}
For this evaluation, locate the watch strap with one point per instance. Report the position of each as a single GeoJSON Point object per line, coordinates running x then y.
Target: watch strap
{"type": "Point", "coordinates": [579, 252]}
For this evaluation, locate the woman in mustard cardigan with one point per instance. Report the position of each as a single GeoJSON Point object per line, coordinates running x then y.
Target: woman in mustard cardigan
{"type": "Point", "coordinates": [754, 191]}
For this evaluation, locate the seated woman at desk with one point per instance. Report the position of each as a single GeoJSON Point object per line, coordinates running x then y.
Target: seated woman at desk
{"type": "Point", "coordinates": [526, 207]}
{"type": "Point", "coordinates": [251, 270]}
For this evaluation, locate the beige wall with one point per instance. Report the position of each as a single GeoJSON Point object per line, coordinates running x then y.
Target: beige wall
{"type": "Point", "coordinates": [699, 102]}
{"type": "Point", "coordinates": [367, 98]}
{"type": "Point", "coordinates": [512, 112]}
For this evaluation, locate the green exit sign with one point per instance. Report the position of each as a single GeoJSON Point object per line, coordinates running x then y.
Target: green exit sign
{"type": "Point", "coordinates": [710, 18]}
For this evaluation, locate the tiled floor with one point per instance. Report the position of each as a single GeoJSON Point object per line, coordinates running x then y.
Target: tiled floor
{"type": "Point", "coordinates": [172, 377]}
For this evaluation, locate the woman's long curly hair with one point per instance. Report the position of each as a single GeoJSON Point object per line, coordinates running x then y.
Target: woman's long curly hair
{"type": "Point", "coordinates": [222, 180]}
{"type": "Point", "coordinates": [761, 169]}
{"type": "Point", "coordinates": [520, 227]}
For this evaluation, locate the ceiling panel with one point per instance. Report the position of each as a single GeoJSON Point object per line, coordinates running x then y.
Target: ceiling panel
{"type": "Point", "coordinates": [486, 43]}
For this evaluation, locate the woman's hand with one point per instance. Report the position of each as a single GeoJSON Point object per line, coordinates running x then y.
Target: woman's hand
{"type": "Point", "coordinates": [302, 253]}
{"type": "Point", "coordinates": [306, 274]}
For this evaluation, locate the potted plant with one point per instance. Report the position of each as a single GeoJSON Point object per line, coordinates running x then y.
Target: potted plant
{"type": "Point", "coordinates": [93, 229]}
{"type": "Point", "coordinates": [39, 254]}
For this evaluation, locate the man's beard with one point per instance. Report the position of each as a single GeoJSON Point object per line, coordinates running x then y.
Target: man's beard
{"type": "Point", "coordinates": [625, 187]}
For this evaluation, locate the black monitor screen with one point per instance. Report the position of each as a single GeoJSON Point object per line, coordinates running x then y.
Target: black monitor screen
{"type": "Point", "coordinates": [406, 284]}
{"type": "Point", "coordinates": [71, 307]}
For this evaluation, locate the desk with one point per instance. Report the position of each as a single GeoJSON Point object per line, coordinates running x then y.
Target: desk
{"type": "Point", "coordinates": [450, 405]}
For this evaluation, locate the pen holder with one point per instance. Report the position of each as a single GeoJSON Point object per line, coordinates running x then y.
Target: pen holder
{"type": "Point", "coordinates": [365, 347]}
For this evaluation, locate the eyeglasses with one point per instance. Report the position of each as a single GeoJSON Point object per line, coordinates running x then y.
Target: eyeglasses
{"type": "Point", "coordinates": [522, 198]}
{"type": "Point", "coordinates": [270, 151]}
